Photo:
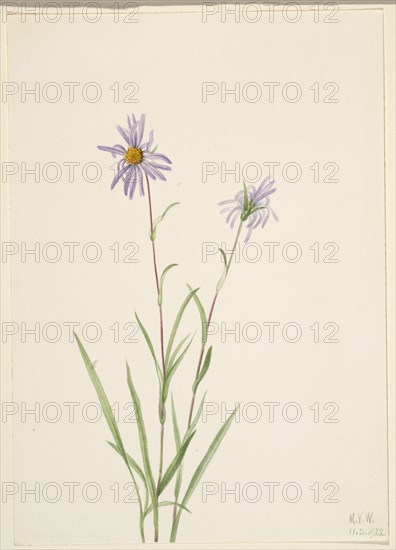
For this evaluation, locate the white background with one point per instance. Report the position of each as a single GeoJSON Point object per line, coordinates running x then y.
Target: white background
{"type": "Point", "coordinates": [352, 373]}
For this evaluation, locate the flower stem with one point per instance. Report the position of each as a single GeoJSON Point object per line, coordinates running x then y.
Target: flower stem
{"type": "Point", "coordinates": [201, 355]}
{"type": "Point", "coordinates": [162, 431]}
{"type": "Point", "coordinates": [210, 319]}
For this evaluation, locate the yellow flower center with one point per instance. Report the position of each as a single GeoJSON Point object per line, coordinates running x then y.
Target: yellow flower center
{"type": "Point", "coordinates": [133, 156]}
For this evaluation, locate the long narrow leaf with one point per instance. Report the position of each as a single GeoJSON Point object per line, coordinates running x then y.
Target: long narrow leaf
{"type": "Point", "coordinates": [176, 433]}
{"type": "Point", "coordinates": [109, 416]}
{"type": "Point", "coordinates": [166, 503]}
{"type": "Point", "coordinates": [135, 466]}
{"type": "Point", "coordinates": [177, 323]}
{"type": "Point", "coordinates": [151, 347]}
{"type": "Point", "coordinates": [177, 349]}
{"type": "Point", "coordinates": [161, 282]}
{"type": "Point", "coordinates": [204, 369]}
{"type": "Point", "coordinates": [223, 278]}
{"type": "Point", "coordinates": [174, 465]}
{"type": "Point", "coordinates": [196, 418]}
{"type": "Point", "coordinates": [104, 402]}
{"type": "Point", "coordinates": [153, 234]}
{"type": "Point", "coordinates": [143, 445]}
{"type": "Point", "coordinates": [172, 370]}
{"type": "Point", "coordinates": [245, 197]}
{"type": "Point", "coordinates": [201, 470]}
{"type": "Point", "coordinates": [131, 461]}
{"type": "Point", "coordinates": [204, 320]}
{"type": "Point", "coordinates": [176, 430]}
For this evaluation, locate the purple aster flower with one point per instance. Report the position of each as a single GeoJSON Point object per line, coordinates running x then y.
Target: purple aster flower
{"type": "Point", "coordinates": [251, 205]}
{"type": "Point", "coordinates": [138, 159]}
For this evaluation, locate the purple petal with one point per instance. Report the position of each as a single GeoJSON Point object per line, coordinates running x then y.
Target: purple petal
{"type": "Point", "coordinates": [265, 218]}
{"type": "Point", "coordinates": [111, 150]}
{"type": "Point", "coordinates": [123, 134]}
{"type": "Point", "coordinates": [127, 179]}
{"type": "Point", "coordinates": [273, 213]}
{"type": "Point", "coordinates": [231, 214]}
{"type": "Point", "coordinates": [231, 201]}
{"type": "Point", "coordinates": [119, 174]}
{"type": "Point", "coordinates": [225, 210]}
{"type": "Point", "coordinates": [234, 219]}
{"type": "Point", "coordinates": [147, 170]}
{"type": "Point", "coordinates": [158, 156]}
{"type": "Point", "coordinates": [140, 130]}
{"type": "Point", "coordinates": [252, 220]}
{"type": "Point", "coordinates": [157, 173]}
{"type": "Point", "coordinates": [150, 141]}
{"type": "Point", "coordinates": [249, 234]}
{"type": "Point", "coordinates": [264, 194]}
{"type": "Point", "coordinates": [132, 187]}
{"type": "Point", "coordinates": [132, 135]}
{"type": "Point", "coordinates": [140, 180]}
{"type": "Point", "coordinates": [160, 166]}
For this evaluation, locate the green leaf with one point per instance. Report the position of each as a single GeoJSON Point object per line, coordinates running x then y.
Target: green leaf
{"type": "Point", "coordinates": [208, 457]}
{"type": "Point", "coordinates": [108, 413]}
{"type": "Point", "coordinates": [177, 323]}
{"type": "Point", "coordinates": [201, 470]}
{"type": "Point", "coordinates": [143, 446]}
{"type": "Point", "coordinates": [131, 461]}
{"type": "Point", "coordinates": [135, 466]}
{"type": "Point", "coordinates": [161, 283]}
{"type": "Point", "coordinates": [176, 430]}
{"type": "Point", "coordinates": [222, 279]}
{"type": "Point", "coordinates": [153, 233]}
{"type": "Point", "coordinates": [174, 354]}
{"type": "Point", "coordinates": [151, 348]}
{"type": "Point", "coordinates": [196, 418]}
{"type": "Point", "coordinates": [204, 369]}
{"type": "Point", "coordinates": [176, 433]}
{"type": "Point", "coordinates": [104, 402]}
{"type": "Point", "coordinates": [204, 321]}
{"type": "Point", "coordinates": [258, 208]}
{"type": "Point", "coordinates": [166, 503]}
{"type": "Point", "coordinates": [245, 197]}
{"type": "Point", "coordinates": [172, 370]}
{"type": "Point", "coordinates": [174, 465]}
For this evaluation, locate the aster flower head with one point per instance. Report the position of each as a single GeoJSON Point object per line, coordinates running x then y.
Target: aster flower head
{"type": "Point", "coordinates": [251, 205]}
{"type": "Point", "coordinates": [138, 158]}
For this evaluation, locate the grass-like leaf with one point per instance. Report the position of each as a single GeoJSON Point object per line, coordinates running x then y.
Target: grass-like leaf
{"type": "Point", "coordinates": [161, 282]}
{"type": "Point", "coordinates": [177, 349]}
{"type": "Point", "coordinates": [166, 503]}
{"type": "Point", "coordinates": [174, 465]}
{"type": "Point", "coordinates": [204, 320]}
{"type": "Point", "coordinates": [223, 278]}
{"type": "Point", "coordinates": [176, 325]}
{"type": "Point", "coordinates": [176, 433]}
{"type": "Point", "coordinates": [245, 197]}
{"type": "Point", "coordinates": [196, 418]}
{"type": "Point", "coordinates": [201, 470]}
{"type": "Point", "coordinates": [135, 466]}
{"type": "Point", "coordinates": [108, 414]}
{"type": "Point", "coordinates": [172, 369]}
{"type": "Point", "coordinates": [204, 369]}
{"type": "Point", "coordinates": [151, 348]}
{"type": "Point", "coordinates": [153, 233]}
{"type": "Point", "coordinates": [144, 447]}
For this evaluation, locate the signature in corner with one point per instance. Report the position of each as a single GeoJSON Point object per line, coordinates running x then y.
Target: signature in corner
{"type": "Point", "coordinates": [363, 525]}
{"type": "Point", "coordinates": [361, 517]}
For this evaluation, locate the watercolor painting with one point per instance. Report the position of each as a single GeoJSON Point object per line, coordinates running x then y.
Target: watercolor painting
{"type": "Point", "coordinates": [140, 167]}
